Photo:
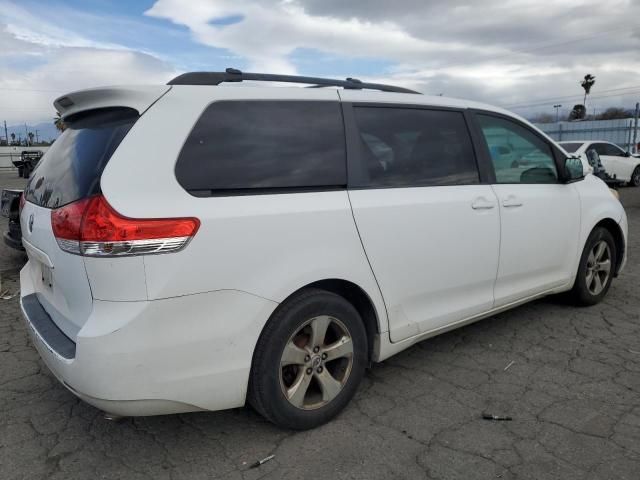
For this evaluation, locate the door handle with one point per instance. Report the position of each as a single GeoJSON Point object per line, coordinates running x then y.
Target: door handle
{"type": "Point", "coordinates": [482, 203]}
{"type": "Point", "coordinates": [511, 201]}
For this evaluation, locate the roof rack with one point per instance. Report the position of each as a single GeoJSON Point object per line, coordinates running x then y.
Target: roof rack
{"type": "Point", "coordinates": [235, 75]}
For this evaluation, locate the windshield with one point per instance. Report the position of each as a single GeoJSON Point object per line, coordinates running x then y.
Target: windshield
{"type": "Point", "coordinates": [71, 168]}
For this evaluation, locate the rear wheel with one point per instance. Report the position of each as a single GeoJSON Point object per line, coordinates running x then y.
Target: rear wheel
{"type": "Point", "coordinates": [635, 177]}
{"type": "Point", "coordinates": [309, 360]}
{"type": "Point", "coordinates": [596, 269]}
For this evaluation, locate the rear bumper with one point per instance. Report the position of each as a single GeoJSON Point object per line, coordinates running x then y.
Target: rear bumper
{"type": "Point", "coordinates": [45, 329]}
{"type": "Point", "coordinates": [155, 357]}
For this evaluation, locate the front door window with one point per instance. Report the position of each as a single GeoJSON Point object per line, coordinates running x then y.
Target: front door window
{"type": "Point", "coordinates": [517, 154]}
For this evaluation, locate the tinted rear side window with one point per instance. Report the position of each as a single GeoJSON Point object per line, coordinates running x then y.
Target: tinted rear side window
{"type": "Point", "coordinates": [248, 145]}
{"type": "Point", "coordinates": [408, 147]}
{"type": "Point", "coordinates": [71, 168]}
{"type": "Point", "coordinates": [608, 149]}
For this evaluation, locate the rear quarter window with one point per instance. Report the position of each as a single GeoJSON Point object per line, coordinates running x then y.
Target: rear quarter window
{"type": "Point", "coordinates": [247, 146]}
{"type": "Point", "coordinates": [72, 167]}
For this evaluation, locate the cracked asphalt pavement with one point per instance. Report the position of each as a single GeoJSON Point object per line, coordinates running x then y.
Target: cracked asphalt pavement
{"type": "Point", "coordinates": [573, 391]}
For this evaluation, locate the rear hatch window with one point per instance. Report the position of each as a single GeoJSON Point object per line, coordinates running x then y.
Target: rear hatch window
{"type": "Point", "coordinates": [71, 168]}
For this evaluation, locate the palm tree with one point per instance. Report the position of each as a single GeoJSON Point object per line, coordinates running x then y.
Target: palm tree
{"type": "Point", "coordinates": [31, 135]}
{"type": "Point", "coordinates": [13, 138]}
{"type": "Point", "coordinates": [587, 83]}
{"type": "Point", "coordinates": [579, 112]}
{"type": "Point", "coordinates": [59, 123]}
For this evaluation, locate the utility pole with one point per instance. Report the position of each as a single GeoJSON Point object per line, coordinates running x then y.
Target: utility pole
{"type": "Point", "coordinates": [557, 107]}
{"type": "Point", "coordinates": [6, 135]}
{"type": "Point", "coordinates": [37, 141]}
{"type": "Point", "coordinates": [635, 128]}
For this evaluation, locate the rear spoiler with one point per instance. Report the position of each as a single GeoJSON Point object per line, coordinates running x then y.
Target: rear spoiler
{"type": "Point", "coordinates": [140, 98]}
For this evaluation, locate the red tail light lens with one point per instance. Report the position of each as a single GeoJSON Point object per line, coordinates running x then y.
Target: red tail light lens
{"type": "Point", "coordinates": [66, 221]}
{"type": "Point", "coordinates": [21, 203]}
{"type": "Point", "coordinates": [92, 227]}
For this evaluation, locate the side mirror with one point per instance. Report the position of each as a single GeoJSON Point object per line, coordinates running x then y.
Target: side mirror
{"type": "Point", "coordinates": [573, 169]}
{"type": "Point", "coordinates": [594, 159]}
{"type": "Point", "coordinates": [627, 153]}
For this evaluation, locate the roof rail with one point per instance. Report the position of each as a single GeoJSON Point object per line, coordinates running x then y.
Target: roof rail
{"type": "Point", "coordinates": [234, 75]}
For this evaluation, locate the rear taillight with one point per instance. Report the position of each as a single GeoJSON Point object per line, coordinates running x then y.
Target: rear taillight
{"type": "Point", "coordinates": [21, 203]}
{"type": "Point", "coordinates": [93, 228]}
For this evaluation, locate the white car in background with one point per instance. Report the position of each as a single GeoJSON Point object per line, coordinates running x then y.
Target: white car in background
{"type": "Point", "coordinates": [615, 160]}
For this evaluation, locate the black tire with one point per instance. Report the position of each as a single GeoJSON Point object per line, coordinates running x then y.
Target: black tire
{"type": "Point", "coordinates": [581, 294]}
{"type": "Point", "coordinates": [20, 171]}
{"type": "Point", "coordinates": [266, 381]}
{"type": "Point", "coordinates": [635, 177]}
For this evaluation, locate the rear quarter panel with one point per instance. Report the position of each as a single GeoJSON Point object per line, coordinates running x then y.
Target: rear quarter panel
{"type": "Point", "coordinates": [267, 245]}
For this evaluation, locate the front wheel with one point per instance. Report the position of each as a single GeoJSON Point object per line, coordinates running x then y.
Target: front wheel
{"type": "Point", "coordinates": [596, 269]}
{"type": "Point", "coordinates": [635, 177]}
{"type": "Point", "coordinates": [309, 360]}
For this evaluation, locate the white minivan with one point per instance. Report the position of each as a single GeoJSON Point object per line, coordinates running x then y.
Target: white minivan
{"type": "Point", "coordinates": [199, 245]}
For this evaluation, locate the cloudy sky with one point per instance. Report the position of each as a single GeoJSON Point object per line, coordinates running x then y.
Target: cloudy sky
{"type": "Point", "coordinates": [522, 54]}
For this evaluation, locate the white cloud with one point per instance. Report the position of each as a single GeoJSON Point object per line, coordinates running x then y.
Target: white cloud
{"type": "Point", "coordinates": [40, 62]}
{"type": "Point", "coordinates": [500, 51]}
{"type": "Point", "coordinates": [269, 32]}
{"type": "Point", "coordinates": [24, 25]}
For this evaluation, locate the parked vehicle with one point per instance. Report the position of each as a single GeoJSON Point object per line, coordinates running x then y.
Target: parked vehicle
{"type": "Point", "coordinates": [27, 162]}
{"type": "Point", "coordinates": [599, 171]}
{"type": "Point", "coordinates": [275, 241]}
{"type": "Point", "coordinates": [19, 164]}
{"type": "Point", "coordinates": [30, 161]}
{"type": "Point", "coordinates": [9, 206]}
{"type": "Point", "coordinates": [617, 162]}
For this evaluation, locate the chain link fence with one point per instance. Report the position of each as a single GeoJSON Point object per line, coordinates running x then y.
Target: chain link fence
{"type": "Point", "coordinates": [623, 131]}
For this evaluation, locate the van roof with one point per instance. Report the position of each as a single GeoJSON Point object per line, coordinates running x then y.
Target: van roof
{"type": "Point", "coordinates": [234, 75]}
{"type": "Point", "coordinates": [142, 97]}
{"type": "Point", "coordinates": [364, 90]}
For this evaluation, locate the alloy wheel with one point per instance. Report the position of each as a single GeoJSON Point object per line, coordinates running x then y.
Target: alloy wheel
{"type": "Point", "coordinates": [598, 267]}
{"type": "Point", "coordinates": [316, 363]}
